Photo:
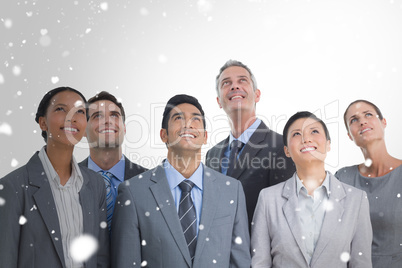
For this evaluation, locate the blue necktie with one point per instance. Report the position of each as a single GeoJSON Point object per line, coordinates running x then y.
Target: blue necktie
{"type": "Point", "coordinates": [107, 177]}
{"type": "Point", "coordinates": [235, 148]}
{"type": "Point", "coordinates": [188, 216]}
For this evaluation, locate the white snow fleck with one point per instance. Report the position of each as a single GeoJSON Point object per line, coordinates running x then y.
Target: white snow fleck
{"type": "Point", "coordinates": [157, 208]}
{"type": "Point", "coordinates": [140, 176]}
{"type": "Point", "coordinates": [6, 129]}
{"type": "Point", "coordinates": [88, 30]}
{"type": "Point", "coordinates": [204, 6]}
{"type": "Point", "coordinates": [16, 70]}
{"type": "Point", "coordinates": [360, 253]}
{"type": "Point", "coordinates": [214, 261]}
{"type": "Point", "coordinates": [303, 237]}
{"type": "Point", "coordinates": [8, 23]}
{"type": "Point", "coordinates": [1, 186]}
{"type": "Point", "coordinates": [228, 183]}
{"type": "Point", "coordinates": [368, 162]}
{"type": "Point", "coordinates": [1, 79]}
{"type": "Point", "coordinates": [2, 201]}
{"type": "Point", "coordinates": [103, 225]}
{"type": "Point", "coordinates": [14, 162]}
{"type": "Point", "coordinates": [208, 174]}
{"type": "Point", "coordinates": [238, 240]}
{"type": "Point", "coordinates": [19, 93]}
{"type": "Point", "coordinates": [83, 247]}
{"type": "Point", "coordinates": [29, 13]}
{"type": "Point", "coordinates": [201, 227]}
{"type": "Point", "coordinates": [144, 263]}
{"type": "Point", "coordinates": [33, 207]}
{"type": "Point", "coordinates": [104, 6]}
{"type": "Point", "coordinates": [127, 203]}
{"type": "Point", "coordinates": [162, 58]}
{"type": "Point", "coordinates": [398, 195]}
{"type": "Point", "coordinates": [56, 238]}
{"type": "Point", "coordinates": [55, 79]}
{"type": "Point", "coordinates": [164, 14]}
{"type": "Point", "coordinates": [78, 103]}
{"type": "Point", "coordinates": [345, 256]}
{"type": "Point", "coordinates": [53, 231]}
{"type": "Point", "coordinates": [147, 214]}
{"type": "Point", "coordinates": [329, 206]}
{"type": "Point", "coordinates": [144, 11]}
{"type": "Point", "coordinates": [43, 31]}
{"type": "Point", "coordinates": [22, 220]}
{"type": "Point", "coordinates": [231, 201]}
{"type": "Point", "coordinates": [143, 243]}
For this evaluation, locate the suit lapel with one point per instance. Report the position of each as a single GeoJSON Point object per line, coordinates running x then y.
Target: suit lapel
{"type": "Point", "coordinates": [161, 192]}
{"type": "Point", "coordinates": [331, 217]}
{"type": "Point", "coordinates": [45, 203]}
{"type": "Point", "coordinates": [291, 213]}
{"type": "Point", "coordinates": [251, 149]}
{"type": "Point", "coordinates": [209, 200]}
{"type": "Point", "coordinates": [87, 204]}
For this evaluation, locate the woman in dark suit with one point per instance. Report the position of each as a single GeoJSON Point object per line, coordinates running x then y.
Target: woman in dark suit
{"type": "Point", "coordinates": [51, 200]}
{"type": "Point", "coordinates": [381, 177]}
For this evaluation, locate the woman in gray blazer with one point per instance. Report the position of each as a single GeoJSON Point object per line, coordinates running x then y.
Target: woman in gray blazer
{"type": "Point", "coordinates": [312, 219]}
{"type": "Point", "coordinates": [381, 177]}
{"type": "Point", "coordinates": [48, 203]}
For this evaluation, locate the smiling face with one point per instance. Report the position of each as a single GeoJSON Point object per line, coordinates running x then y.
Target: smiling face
{"type": "Point", "coordinates": [236, 90]}
{"type": "Point", "coordinates": [65, 119]}
{"type": "Point", "coordinates": [364, 124]}
{"type": "Point", "coordinates": [105, 127]}
{"type": "Point", "coordinates": [307, 142]}
{"type": "Point", "coordinates": [185, 130]}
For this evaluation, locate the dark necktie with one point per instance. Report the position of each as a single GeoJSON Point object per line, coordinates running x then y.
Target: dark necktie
{"type": "Point", "coordinates": [235, 148]}
{"type": "Point", "coordinates": [188, 216]}
{"type": "Point", "coordinates": [107, 177]}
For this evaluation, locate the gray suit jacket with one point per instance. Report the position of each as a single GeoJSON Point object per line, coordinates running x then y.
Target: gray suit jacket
{"type": "Point", "coordinates": [130, 169]}
{"type": "Point", "coordinates": [263, 163]}
{"type": "Point", "coordinates": [277, 237]}
{"type": "Point", "coordinates": [147, 230]}
{"type": "Point", "coordinates": [26, 191]}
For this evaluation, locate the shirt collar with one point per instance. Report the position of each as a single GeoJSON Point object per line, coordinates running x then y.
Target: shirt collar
{"type": "Point", "coordinates": [246, 135]}
{"type": "Point", "coordinates": [324, 185]}
{"type": "Point", "coordinates": [175, 178]}
{"type": "Point", "coordinates": [51, 172]}
{"type": "Point", "coordinates": [117, 170]}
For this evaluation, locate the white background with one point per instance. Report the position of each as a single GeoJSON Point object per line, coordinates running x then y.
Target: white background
{"type": "Point", "coordinates": [306, 55]}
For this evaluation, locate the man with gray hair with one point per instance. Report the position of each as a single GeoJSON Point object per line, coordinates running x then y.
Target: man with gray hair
{"type": "Point", "coordinates": [252, 153]}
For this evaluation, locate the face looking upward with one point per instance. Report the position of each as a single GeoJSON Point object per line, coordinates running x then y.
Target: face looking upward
{"type": "Point", "coordinates": [105, 127]}
{"type": "Point", "coordinates": [185, 129]}
{"type": "Point", "coordinates": [65, 119]}
{"type": "Point", "coordinates": [307, 142]}
{"type": "Point", "coordinates": [236, 90]}
{"type": "Point", "coordinates": [363, 124]}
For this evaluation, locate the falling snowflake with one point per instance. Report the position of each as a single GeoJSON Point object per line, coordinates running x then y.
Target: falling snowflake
{"type": "Point", "coordinates": [345, 257]}
{"type": "Point", "coordinates": [16, 70]}
{"type": "Point", "coordinates": [201, 227]}
{"type": "Point", "coordinates": [1, 79]}
{"type": "Point", "coordinates": [14, 163]}
{"type": "Point", "coordinates": [55, 79]}
{"type": "Point", "coordinates": [104, 6]}
{"type": "Point", "coordinates": [143, 243]}
{"type": "Point", "coordinates": [83, 247]}
{"type": "Point", "coordinates": [103, 224]}
{"type": "Point", "coordinates": [144, 263]}
{"type": "Point", "coordinates": [127, 203]}
{"type": "Point", "coordinates": [147, 214]}
{"type": "Point", "coordinates": [2, 201]}
{"type": "Point", "coordinates": [238, 240]}
{"type": "Point", "coordinates": [144, 11]}
{"type": "Point", "coordinates": [6, 129]}
{"type": "Point", "coordinates": [8, 23]}
{"type": "Point", "coordinates": [368, 162]}
{"type": "Point", "coordinates": [22, 220]}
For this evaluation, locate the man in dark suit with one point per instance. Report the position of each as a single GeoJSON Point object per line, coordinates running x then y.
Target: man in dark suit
{"type": "Point", "coordinates": [181, 214]}
{"type": "Point", "coordinates": [252, 153]}
{"type": "Point", "coordinates": [105, 133]}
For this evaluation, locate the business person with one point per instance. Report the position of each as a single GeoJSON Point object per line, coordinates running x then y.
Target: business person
{"type": "Point", "coordinates": [51, 200]}
{"type": "Point", "coordinates": [252, 153]}
{"type": "Point", "coordinates": [181, 214]}
{"type": "Point", "coordinates": [312, 219]}
{"type": "Point", "coordinates": [380, 176]}
{"type": "Point", "coordinates": [105, 134]}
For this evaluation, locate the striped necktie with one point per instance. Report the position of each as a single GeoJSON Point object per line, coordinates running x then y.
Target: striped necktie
{"type": "Point", "coordinates": [188, 216]}
{"type": "Point", "coordinates": [107, 177]}
{"type": "Point", "coordinates": [235, 148]}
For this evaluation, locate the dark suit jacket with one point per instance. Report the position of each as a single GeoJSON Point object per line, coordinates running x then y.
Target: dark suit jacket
{"type": "Point", "coordinates": [26, 191]}
{"type": "Point", "coordinates": [147, 230]}
{"type": "Point", "coordinates": [130, 169]}
{"type": "Point", "coordinates": [262, 163]}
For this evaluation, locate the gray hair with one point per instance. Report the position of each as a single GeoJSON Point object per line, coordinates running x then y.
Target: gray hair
{"type": "Point", "coordinates": [231, 63]}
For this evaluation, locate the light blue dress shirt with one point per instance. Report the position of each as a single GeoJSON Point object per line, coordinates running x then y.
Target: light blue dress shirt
{"type": "Point", "coordinates": [244, 138]}
{"type": "Point", "coordinates": [311, 211]}
{"type": "Point", "coordinates": [175, 178]}
{"type": "Point", "coordinates": [117, 171]}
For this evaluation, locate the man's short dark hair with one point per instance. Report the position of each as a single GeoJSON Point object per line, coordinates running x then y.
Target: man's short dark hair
{"type": "Point", "coordinates": [298, 115]}
{"type": "Point", "coordinates": [177, 100]}
{"type": "Point", "coordinates": [104, 95]}
{"type": "Point", "coordinates": [46, 100]}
